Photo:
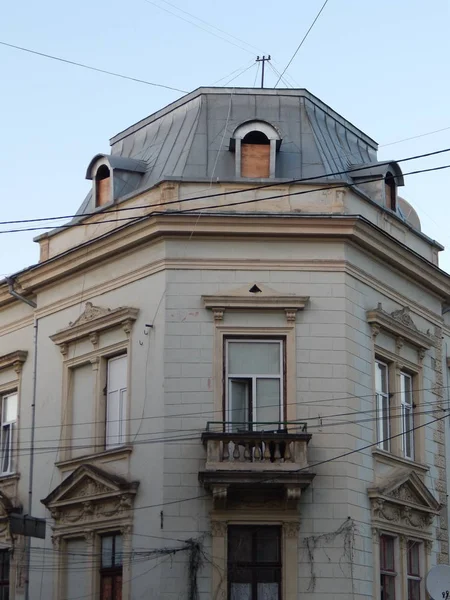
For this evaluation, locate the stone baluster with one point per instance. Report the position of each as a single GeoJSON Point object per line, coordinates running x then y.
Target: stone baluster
{"type": "Point", "coordinates": [266, 451]}
{"type": "Point", "coordinates": [287, 452]}
{"type": "Point", "coordinates": [236, 451]}
{"type": "Point", "coordinates": [247, 452]}
{"type": "Point", "coordinates": [257, 451]}
{"type": "Point", "coordinates": [225, 451]}
{"type": "Point", "coordinates": [277, 453]}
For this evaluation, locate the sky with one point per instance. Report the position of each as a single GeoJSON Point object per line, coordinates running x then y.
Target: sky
{"type": "Point", "coordinates": [382, 65]}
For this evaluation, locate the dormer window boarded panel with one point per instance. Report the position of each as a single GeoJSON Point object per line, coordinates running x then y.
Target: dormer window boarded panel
{"type": "Point", "coordinates": [255, 155]}
{"type": "Point", "coordinates": [102, 186]}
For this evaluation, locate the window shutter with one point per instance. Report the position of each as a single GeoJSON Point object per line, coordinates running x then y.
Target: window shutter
{"type": "Point", "coordinates": [116, 402]}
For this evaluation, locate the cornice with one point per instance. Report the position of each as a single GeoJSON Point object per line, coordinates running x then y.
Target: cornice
{"type": "Point", "coordinates": [399, 324]}
{"type": "Point", "coordinates": [264, 226]}
{"type": "Point", "coordinates": [255, 297]}
{"type": "Point", "coordinates": [93, 321]}
{"type": "Point", "coordinates": [13, 360]}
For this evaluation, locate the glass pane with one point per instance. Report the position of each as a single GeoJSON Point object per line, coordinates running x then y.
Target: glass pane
{"type": "Point", "coordinates": [408, 436]}
{"type": "Point", "coordinates": [413, 589]}
{"type": "Point", "coordinates": [239, 545]}
{"type": "Point", "coordinates": [254, 358]}
{"type": "Point", "coordinates": [10, 408]}
{"type": "Point", "coordinates": [381, 378]}
{"type": "Point", "coordinates": [387, 587]}
{"type": "Point", "coordinates": [241, 591]}
{"type": "Point", "coordinates": [268, 399]}
{"type": "Point", "coordinates": [107, 551]}
{"type": "Point", "coordinates": [106, 588]}
{"type": "Point", "coordinates": [267, 545]}
{"type": "Point", "coordinates": [118, 587]}
{"type": "Point", "coordinates": [6, 447]}
{"type": "Point", "coordinates": [413, 558]}
{"type": "Point", "coordinates": [387, 553]}
{"type": "Point", "coordinates": [118, 555]}
{"type": "Point", "coordinates": [240, 394]}
{"type": "Point", "coordinates": [268, 591]}
{"type": "Point", "coordinates": [383, 421]}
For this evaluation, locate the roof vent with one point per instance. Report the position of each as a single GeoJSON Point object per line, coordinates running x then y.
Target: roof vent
{"type": "Point", "coordinates": [255, 290]}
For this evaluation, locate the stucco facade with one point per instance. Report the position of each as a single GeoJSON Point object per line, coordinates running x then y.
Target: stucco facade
{"type": "Point", "coordinates": [320, 267]}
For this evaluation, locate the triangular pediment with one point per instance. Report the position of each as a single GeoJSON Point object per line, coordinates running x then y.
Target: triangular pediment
{"type": "Point", "coordinates": [88, 483]}
{"type": "Point", "coordinates": [407, 488]}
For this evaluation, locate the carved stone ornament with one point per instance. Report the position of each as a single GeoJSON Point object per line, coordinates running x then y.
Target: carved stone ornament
{"type": "Point", "coordinates": [90, 312]}
{"type": "Point", "coordinates": [400, 325]}
{"type": "Point", "coordinates": [291, 529]}
{"type": "Point", "coordinates": [218, 528]}
{"type": "Point", "coordinates": [13, 360]}
{"type": "Point", "coordinates": [403, 502]}
{"type": "Point", "coordinates": [90, 495]}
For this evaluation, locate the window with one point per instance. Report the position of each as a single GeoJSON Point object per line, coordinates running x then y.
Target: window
{"type": "Point", "coordinates": [254, 563]}
{"type": "Point", "coordinates": [407, 414]}
{"type": "Point", "coordinates": [102, 186]}
{"type": "Point", "coordinates": [255, 155]}
{"type": "Point", "coordinates": [4, 574]}
{"type": "Point", "coordinates": [76, 558]}
{"type": "Point", "coordinates": [116, 401]}
{"type": "Point", "coordinates": [254, 384]}
{"type": "Point", "coordinates": [387, 567]}
{"type": "Point", "coordinates": [382, 405]}
{"type": "Point", "coordinates": [413, 575]}
{"type": "Point", "coordinates": [390, 192]}
{"type": "Point", "coordinates": [8, 421]}
{"type": "Point", "coordinates": [111, 568]}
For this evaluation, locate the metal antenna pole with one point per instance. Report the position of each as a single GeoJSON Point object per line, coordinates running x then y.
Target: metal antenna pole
{"type": "Point", "coordinates": [263, 59]}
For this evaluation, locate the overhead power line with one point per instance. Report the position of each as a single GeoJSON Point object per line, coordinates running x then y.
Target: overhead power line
{"type": "Point", "coordinates": [197, 209]}
{"type": "Point", "coordinates": [218, 194]}
{"type": "Point", "coordinates": [77, 64]}
{"type": "Point", "coordinates": [301, 43]}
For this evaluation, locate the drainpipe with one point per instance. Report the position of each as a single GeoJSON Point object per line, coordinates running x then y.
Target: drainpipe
{"type": "Point", "coordinates": [21, 298]}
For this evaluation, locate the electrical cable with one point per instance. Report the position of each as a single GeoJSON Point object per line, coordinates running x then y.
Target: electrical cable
{"type": "Point", "coordinates": [77, 64]}
{"type": "Point", "coordinates": [302, 42]}
{"type": "Point", "coordinates": [256, 74]}
{"type": "Point", "coordinates": [215, 195]}
{"type": "Point", "coordinates": [239, 74]}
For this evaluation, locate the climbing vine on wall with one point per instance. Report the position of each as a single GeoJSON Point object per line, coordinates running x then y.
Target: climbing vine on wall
{"type": "Point", "coordinates": [347, 532]}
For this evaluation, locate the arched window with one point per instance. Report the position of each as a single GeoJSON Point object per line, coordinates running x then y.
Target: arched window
{"type": "Point", "coordinates": [102, 186]}
{"type": "Point", "coordinates": [255, 155]}
{"type": "Point", "coordinates": [255, 144]}
{"type": "Point", "coordinates": [390, 191]}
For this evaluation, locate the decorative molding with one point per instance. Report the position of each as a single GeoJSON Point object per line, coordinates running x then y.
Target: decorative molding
{"type": "Point", "coordinates": [291, 529]}
{"type": "Point", "coordinates": [255, 296]}
{"type": "Point", "coordinates": [404, 504]}
{"type": "Point", "coordinates": [399, 324]}
{"type": "Point", "coordinates": [395, 461]}
{"type": "Point", "coordinates": [13, 360]}
{"type": "Point", "coordinates": [100, 457]}
{"type": "Point", "coordinates": [92, 322]}
{"type": "Point", "coordinates": [89, 497]}
{"type": "Point", "coordinates": [218, 528]}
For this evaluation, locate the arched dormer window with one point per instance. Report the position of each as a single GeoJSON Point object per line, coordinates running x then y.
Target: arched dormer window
{"type": "Point", "coordinates": [102, 186]}
{"type": "Point", "coordinates": [255, 144]}
{"type": "Point", "coordinates": [390, 191]}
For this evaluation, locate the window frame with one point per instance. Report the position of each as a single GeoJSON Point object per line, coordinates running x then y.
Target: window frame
{"type": "Point", "coordinates": [383, 571]}
{"type": "Point", "coordinates": [115, 570]}
{"type": "Point", "coordinates": [10, 426]}
{"type": "Point", "coordinates": [407, 433]}
{"type": "Point", "coordinates": [5, 582]}
{"type": "Point", "coordinates": [123, 407]}
{"type": "Point", "coordinates": [282, 342]}
{"type": "Point", "coordinates": [254, 565]}
{"type": "Point", "coordinates": [414, 577]}
{"type": "Point", "coordinates": [383, 422]}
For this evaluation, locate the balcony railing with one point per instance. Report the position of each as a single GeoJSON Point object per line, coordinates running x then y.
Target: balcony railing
{"type": "Point", "coordinates": [256, 446]}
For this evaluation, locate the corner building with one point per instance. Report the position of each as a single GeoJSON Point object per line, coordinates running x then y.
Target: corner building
{"type": "Point", "coordinates": [239, 369]}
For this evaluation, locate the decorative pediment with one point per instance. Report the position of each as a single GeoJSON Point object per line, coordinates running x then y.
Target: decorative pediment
{"type": "Point", "coordinates": [94, 320]}
{"type": "Point", "coordinates": [91, 494]}
{"type": "Point", "coordinates": [404, 503]}
{"type": "Point", "coordinates": [13, 360]}
{"type": "Point", "coordinates": [399, 324]}
{"type": "Point", "coordinates": [255, 296]}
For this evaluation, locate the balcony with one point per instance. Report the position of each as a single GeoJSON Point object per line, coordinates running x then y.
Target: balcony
{"type": "Point", "coordinates": [242, 458]}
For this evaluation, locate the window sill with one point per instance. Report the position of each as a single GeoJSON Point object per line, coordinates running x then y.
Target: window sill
{"type": "Point", "coordinates": [9, 476]}
{"type": "Point", "coordinates": [119, 453]}
{"type": "Point", "coordinates": [398, 461]}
